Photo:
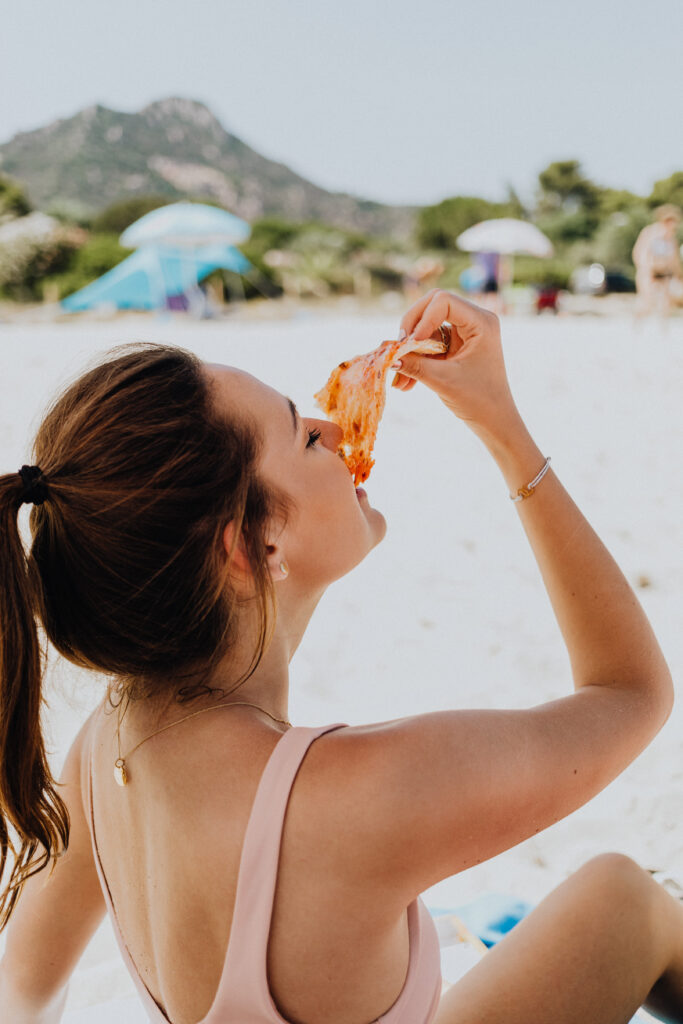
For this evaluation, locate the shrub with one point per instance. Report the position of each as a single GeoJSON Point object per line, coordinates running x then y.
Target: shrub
{"type": "Point", "coordinates": [13, 200]}
{"type": "Point", "coordinates": [99, 254]}
{"type": "Point", "coordinates": [528, 270]}
{"type": "Point", "coordinates": [317, 261]}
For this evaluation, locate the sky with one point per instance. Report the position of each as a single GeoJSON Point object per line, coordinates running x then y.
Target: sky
{"type": "Point", "coordinates": [397, 101]}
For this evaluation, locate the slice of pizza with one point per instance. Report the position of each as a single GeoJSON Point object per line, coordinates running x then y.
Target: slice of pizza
{"type": "Point", "coordinates": [354, 398]}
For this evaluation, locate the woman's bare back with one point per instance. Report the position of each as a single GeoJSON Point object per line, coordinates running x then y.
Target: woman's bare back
{"type": "Point", "coordinates": [170, 845]}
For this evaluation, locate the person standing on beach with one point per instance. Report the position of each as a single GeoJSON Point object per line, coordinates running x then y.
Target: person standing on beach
{"type": "Point", "coordinates": [657, 259]}
{"type": "Point", "coordinates": [185, 522]}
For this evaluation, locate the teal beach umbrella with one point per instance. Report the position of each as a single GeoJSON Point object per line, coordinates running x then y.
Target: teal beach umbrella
{"type": "Point", "coordinates": [186, 224]}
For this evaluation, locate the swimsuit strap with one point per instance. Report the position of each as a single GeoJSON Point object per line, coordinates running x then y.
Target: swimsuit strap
{"type": "Point", "coordinates": [244, 983]}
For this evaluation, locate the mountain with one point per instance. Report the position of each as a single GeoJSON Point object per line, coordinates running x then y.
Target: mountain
{"type": "Point", "coordinates": [174, 147]}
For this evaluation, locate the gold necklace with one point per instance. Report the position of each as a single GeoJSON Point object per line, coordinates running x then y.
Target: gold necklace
{"type": "Point", "coordinates": [120, 769]}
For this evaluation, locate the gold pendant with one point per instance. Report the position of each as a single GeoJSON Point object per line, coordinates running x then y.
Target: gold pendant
{"type": "Point", "coordinates": [120, 773]}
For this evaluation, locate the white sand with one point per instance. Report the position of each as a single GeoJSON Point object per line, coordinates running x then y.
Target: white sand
{"type": "Point", "coordinates": [449, 611]}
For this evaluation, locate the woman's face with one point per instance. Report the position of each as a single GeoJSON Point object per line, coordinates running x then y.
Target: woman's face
{"type": "Point", "coordinates": [331, 526]}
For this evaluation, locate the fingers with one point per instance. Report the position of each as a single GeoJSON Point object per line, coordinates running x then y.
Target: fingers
{"type": "Point", "coordinates": [462, 314]}
{"type": "Point", "coordinates": [434, 313]}
{"type": "Point", "coordinates": [424, 317]}
{"type": "Point", "coordinates": [402, 383]}
{"type": "Point", "coordinates": [414, 368]}
{"type": "Point", "coordinates": [415, 312]}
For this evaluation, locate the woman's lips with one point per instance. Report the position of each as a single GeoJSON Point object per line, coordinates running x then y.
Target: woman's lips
{"type": "Point", "coordinates": [360, 493]}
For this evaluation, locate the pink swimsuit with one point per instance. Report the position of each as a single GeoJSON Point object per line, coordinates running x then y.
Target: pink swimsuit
{"type": "Point", "coordinates": [243, 996]}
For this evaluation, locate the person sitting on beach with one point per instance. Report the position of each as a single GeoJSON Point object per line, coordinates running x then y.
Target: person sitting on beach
{"type": "Point", "coordinates": [186, 521]}
{"type": "Point", "coordinates": [657, 260]}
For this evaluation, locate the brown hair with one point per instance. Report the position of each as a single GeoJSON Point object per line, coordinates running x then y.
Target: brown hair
{"type": "Point", "coordinates": [668, 212]}
{"type": "Point", "coordinates": [127, 570]}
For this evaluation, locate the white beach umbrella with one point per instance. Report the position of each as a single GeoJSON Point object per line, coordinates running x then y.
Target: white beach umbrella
{"type": "Point", "coordinates": [505, 236]}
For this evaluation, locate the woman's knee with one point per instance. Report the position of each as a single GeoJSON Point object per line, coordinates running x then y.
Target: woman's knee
{"type": "Point", "coordinates": [614, 876]}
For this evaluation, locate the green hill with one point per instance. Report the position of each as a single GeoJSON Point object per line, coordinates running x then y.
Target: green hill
{"type": "Point", "coordinates": [174, 147]}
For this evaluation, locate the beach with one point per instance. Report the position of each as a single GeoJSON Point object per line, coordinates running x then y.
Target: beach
{"type": "Point", "coordinates": [449, 611]}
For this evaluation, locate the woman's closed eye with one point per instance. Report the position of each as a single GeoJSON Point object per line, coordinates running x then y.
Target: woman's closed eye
{"type": "Point", "coordinates": [314, 436]}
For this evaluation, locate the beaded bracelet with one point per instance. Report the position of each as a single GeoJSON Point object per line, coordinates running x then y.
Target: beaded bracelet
{"type": "Point", "coordinates": [526, 492]}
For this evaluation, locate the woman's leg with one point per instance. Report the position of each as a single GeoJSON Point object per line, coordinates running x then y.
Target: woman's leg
{"type": "Point", "coordinates": [644, 289]}
{"type": "Point", "coordinates": [604, 943]}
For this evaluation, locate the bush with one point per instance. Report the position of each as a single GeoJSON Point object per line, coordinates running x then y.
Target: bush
{"type": "Point", "coordinates": [527, 270]}
{"type": "Point", "coordinates": [71, 213]}
{"type": "Point", "coordinates": [99, 254]}
{"type": "Point", "coordinates": [269, 233]}
{"type": "Point", "coordinates": [25, 265]}
{"type": "Point", "coordinates": [13, 200]}
{"type": "Point", "coordinates": [305, 258]}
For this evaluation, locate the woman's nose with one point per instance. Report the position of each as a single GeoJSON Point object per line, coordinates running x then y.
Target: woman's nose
{"type": "Point", "coordinates": [332, 435]}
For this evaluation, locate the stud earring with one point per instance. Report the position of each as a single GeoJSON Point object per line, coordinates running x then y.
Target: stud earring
{"type": "Point", "coordinates": [284, 569]}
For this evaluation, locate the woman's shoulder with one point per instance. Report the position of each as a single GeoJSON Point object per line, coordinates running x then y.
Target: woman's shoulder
{"type": "Point", "coordinates": [415, 800]}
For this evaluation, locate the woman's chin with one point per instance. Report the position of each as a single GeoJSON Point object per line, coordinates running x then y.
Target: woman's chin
{"type": "Point", "coordinates": [378, 525]}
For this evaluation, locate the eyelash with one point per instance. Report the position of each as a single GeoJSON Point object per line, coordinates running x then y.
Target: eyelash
{"type": "Point", "coordinates": [313, 437]}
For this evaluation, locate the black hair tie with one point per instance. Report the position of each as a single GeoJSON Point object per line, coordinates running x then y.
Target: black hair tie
{"type": "Point", "coordinates": [35, 489]}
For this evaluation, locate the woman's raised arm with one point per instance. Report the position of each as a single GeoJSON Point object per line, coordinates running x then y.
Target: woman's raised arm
{"type": "Point", "coordinates": [457, 787]}
{"type": "Point", "coordinates": [608, 637]}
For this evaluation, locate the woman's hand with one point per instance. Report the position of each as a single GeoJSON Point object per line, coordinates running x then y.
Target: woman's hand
{"type": "Point", "coordinates": [470, 379]}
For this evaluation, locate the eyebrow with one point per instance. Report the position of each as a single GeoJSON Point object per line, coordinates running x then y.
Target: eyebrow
{"type": "Point", "coordinates": [295, 415]}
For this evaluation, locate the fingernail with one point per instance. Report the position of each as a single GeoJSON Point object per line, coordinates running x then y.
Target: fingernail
{"type": "Point", "coordinates": [394, 382]}
{"type": "Point", "coordinates": [396, 365]}
{"type": "Point", "coordinates": [402, 334]}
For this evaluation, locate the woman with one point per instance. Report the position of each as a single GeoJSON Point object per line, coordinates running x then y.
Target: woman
{"type": "Point", "coordinates": [657, 260]}
{"type": "Point", "coordinates": [173, 501]}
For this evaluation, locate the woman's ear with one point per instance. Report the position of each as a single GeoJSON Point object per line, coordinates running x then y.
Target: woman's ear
{"type": "Point", "coordinates": [277, 564]}
{"type": "Point", "coordinates": [236, 550]}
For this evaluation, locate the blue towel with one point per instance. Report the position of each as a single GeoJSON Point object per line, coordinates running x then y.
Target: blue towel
{"type": "Point", "coordinates": [490, 917]}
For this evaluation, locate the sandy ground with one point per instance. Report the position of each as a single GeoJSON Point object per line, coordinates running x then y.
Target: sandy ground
{"type": "Point", "coordinates": [449, 611]}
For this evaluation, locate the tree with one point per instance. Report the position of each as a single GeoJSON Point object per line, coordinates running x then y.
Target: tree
{"type": "Point", "coordinates": [117, 217]}
{"type": "Point", "coordinates": [616, 236]}
{"type": "Point", "coordinates": [13, 200]}
{"type": "Point", "coordinates": [563, 186]}
{"type": "Point", "coordinates": [568, 203]}
{"type": "Point", "coordinates": [668, 190]}
{"type": "Point", "coordinates": [439, 226]}
{"type": "Point", "coordinates": [515, 205]}
{"type": "Point", "coordinates": [619, 200]}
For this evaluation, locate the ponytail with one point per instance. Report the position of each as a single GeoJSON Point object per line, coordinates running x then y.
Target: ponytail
{"type": "Point", "coordinates": [127, 571]}
{"type": "Point", "coordinates": [29, 802]}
